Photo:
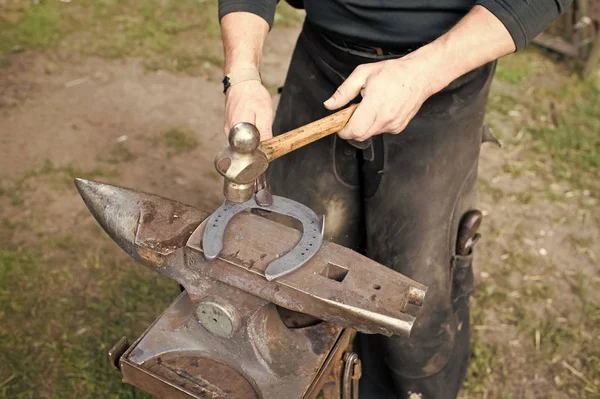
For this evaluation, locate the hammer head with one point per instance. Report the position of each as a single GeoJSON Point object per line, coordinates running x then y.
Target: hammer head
{"type": "Point", "coordinates": [241, 163]}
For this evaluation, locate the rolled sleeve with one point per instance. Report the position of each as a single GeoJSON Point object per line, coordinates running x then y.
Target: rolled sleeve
{"type": "Point", "coordinates": [263, 8]}
{"type": "Point", "coordinates": [525, 19]}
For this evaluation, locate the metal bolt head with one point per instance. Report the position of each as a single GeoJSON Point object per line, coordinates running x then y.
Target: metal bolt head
{"type": "Point", "coordinates": [219, 319]}
{"type": "Point", "coordinates": [244, 138]}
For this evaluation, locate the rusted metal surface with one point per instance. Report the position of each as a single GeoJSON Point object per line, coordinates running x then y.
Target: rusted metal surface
{"type": "Point", "coordinates": [329, 378]}
{"type": "Point", "coordinates": [115, 353]}
{"type": "Point", "coordinates": [351, 375]}
{"type": "Point", "coordinates": [232, 333]}
{"type": "Point", "coordinates": [361, 293]}
{"type": "Point", "coordinates": [201, 376]}
{"type": "Point", "coordinates": [178, 356]}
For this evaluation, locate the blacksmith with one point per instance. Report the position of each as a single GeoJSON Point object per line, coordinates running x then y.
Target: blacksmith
{"type": "Point", "coordinates": [396, 181]}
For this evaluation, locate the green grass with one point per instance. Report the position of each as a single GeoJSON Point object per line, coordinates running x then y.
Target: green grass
{"type": "Point", "coordinates": [38, 27]}
{"type": "Point", "coordinates": [485, 367]}
{"type": "Point", "coordinates": [503, 103]}
{"type": "Point", "coordinates": [178, 141]}
{"type": "Point", "coordinates": [179, 36]}
{"type": "Point", "coordinates": [543, 92]}
{"type": "Point", "coordinates": [157, 31]}
{"type": "Point", "coordinates": [510, 73]}
{"type": "Point", "coordinates": [59, 176]}
{"type": "Point", "coordinates": [524, 66]}
{"type": "Point", "coordinates": [574, 145]}
{"type": "Point", "coordinates": [118, 153]}
{"type": "Point", "coordinates": [505, 299]}
{"type": "Point", "coordinates": [286, 15]}
{"type": "Point", "coordinates": [58, 319]}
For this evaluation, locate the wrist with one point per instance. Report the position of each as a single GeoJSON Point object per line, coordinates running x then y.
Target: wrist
{"type": "Point", "coordinates": [240, 76]}
{"type": "Point", "coordinates": [233, 66]}
{"type": "Point", "coordinates": [437, 66]}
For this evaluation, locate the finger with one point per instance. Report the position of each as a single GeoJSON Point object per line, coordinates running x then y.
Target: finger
{"type": "Point", "coordinates": [376, 128]}
{"type": "Point", "coordinates": [350, 88]}
{"type": "Point", "coordinates": [400, 123]}
{"type": "Point", "coordinates": [361, 122]}
{"type": "Point", "coordinates": [264, 123]}
{"type": "Point", "coordinates": [241, 116]}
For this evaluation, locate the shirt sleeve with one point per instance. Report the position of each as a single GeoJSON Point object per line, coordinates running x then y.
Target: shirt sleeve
{"type": "Point", "coordinates": [525, 19]}
{"type": "Point", "coordinates": [263, 8]}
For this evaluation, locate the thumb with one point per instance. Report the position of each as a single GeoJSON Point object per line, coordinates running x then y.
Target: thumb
{"type": "Point", "coordinates": [349, 89]}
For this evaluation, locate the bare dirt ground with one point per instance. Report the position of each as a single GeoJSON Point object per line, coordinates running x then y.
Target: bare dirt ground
{"type": "Point", "coordinates": [67, 293]}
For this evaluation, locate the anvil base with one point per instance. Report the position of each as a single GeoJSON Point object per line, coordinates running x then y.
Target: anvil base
{"type": "Point", "coordinates": [177, 358]}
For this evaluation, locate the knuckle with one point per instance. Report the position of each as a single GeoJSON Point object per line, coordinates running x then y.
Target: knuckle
{"type": "Point", "coordinates": [348, 132]}
{"type": "Point", "coordinates": [398, 127]}
{"type": "Point", "coordinates": [359, 131]}
{"type": "Point", "coordinates": [340, 91]}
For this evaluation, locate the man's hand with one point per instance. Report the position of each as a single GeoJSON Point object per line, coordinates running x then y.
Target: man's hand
{"type": "Point", "coordinates": [392, 91]}
{"type": "Point", "coordinates": [243, 37]}
{"type": "Point", "coordinates": [249, 102]}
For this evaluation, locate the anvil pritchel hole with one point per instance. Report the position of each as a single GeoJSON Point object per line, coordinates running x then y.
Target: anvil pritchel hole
{"type": "Point", "coordinates": [334, 272]}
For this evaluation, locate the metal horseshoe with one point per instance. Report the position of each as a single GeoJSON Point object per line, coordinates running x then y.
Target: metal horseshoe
{"type": "Point", "coordinates": [307, 247]}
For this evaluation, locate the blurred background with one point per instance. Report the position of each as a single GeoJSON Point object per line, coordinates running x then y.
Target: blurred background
{"type": "Point", "coordinates": [129, 92]}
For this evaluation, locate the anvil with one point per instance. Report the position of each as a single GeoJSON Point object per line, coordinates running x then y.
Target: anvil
{"type": "Point", "coordinates": [232, 333]}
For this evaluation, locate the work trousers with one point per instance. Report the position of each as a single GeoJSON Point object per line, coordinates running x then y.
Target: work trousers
{"type": "Point", "coordinates": [398, 200]}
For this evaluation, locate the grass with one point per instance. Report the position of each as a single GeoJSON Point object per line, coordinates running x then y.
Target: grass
{"type": "Point", "coordinates": [508, 303]}
{"type": "Point", "coordinates": [38, 27]}
{"type": "Point", "coordinates": [179, 36]}
{"type": "Point", "coordinates": [66, 299]}
{"type": "Point", "coordinates": [558, 117]}
{"type": "Point", "coordinates": [56, 326]}
{"type": "Point", "coordinates": [177, 141]}
{"type": "Point", "coordinates": [59, 176]}
{"type": "Point", "coordinates": [118, 153]}
{"type": "Point", "coordinates": [574, 145]}
{"type": "Point", "coordinates": [546, 95]}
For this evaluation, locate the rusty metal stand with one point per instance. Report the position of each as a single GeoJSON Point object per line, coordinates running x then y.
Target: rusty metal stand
{"type": "Point", "coordinates": [161, 365]}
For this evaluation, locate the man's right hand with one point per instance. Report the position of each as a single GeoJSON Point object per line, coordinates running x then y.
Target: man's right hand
{"type": "Point", "coordinates": [250, 102]}
{"type": "Point", "coordinates": [243, 35]}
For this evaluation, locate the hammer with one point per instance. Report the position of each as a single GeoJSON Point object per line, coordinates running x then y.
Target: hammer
{"type": "Point", "coordinates": [247, 157]}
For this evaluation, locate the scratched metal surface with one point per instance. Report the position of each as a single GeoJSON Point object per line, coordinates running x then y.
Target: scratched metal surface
{"type": "Point", "coordinates": [336, 285]}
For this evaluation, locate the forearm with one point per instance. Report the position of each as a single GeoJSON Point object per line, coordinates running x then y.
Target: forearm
{"type": "Point", "coordinates": [243, 36]}
{"type": "Point", "coordinates": [477, 39]}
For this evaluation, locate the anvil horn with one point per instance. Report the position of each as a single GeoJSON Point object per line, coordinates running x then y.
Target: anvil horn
{"type": "Point", "coordinates": [116, 209]}
{"type": "Point", "coordinates": [147, 226]}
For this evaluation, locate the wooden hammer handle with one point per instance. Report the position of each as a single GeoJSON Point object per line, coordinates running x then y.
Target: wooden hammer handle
{"type": "Point", "coordinates": [294, 139]}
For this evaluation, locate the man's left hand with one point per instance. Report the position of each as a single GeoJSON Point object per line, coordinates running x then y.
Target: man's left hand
{"type": "Point", "coordinates": [392, 91]}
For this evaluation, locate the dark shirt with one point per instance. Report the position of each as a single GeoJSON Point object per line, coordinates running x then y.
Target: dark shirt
{"type": "Point", "coordinates": [409, 24]}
